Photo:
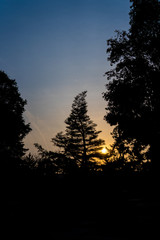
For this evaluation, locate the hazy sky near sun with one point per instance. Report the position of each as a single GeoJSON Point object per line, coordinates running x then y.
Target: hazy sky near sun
{"type": "Point", "coordinates": [56, 49]}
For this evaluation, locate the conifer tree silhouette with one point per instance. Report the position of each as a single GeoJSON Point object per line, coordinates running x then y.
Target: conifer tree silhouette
{"type": "Point", "coordinates": [80, 142]}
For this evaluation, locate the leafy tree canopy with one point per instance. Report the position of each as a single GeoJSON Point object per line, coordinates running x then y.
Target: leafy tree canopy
{"type": "Point", "coordinates": [133, 90]}
{"type": "Point", "coordinates": [12, 125]}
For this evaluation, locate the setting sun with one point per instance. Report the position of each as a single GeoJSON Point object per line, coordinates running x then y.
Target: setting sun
{"type": "Point", "coordinates": [104, 150]}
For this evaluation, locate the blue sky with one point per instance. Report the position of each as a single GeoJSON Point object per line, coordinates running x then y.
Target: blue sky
{"type": "Point", "coordinates": [56, 49]}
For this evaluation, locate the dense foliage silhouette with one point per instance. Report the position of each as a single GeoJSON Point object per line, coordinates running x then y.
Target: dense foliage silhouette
{"type": "Point", "coordinates": [125, 157]}
{"type": "Point", "coordinates": [133, 88]}
{"type": "Point", "coordinates": [13, 128]}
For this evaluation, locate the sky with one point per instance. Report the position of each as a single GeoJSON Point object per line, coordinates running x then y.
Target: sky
{"type": "Point", "coordinates": [55, 49]}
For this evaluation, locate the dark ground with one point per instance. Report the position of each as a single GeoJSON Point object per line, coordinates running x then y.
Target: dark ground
{"type": "Point", "coordinates": [92, 208]}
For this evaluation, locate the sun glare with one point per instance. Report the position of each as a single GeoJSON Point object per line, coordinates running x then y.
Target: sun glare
{"type": "Point", "coordinates": [104, 150]}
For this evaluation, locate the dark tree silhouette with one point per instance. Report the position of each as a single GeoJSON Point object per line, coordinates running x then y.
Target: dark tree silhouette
{"type": "Point", "coordinates": [125, 157]}
{"type": "Point", "coordinates": [133, 90]}
{"type": "Point", "coordinates": [80, 142]}
{"type": "Point", "coordinates": [49, 163]}
{"type": "Point", "coordinates": [12, 125]}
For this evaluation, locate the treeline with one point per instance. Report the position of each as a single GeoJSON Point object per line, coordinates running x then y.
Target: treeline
{"type": "Point", "coordinates": [132, 106]}
{"type": "Point", "coordinates": [80, 150]}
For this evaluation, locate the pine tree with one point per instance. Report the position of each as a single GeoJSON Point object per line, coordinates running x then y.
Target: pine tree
{"type": "Point", "coordinates": [80, 142]}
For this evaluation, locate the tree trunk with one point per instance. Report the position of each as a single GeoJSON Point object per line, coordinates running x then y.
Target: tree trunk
{"type": "Point", "coordinates": [84, 162]}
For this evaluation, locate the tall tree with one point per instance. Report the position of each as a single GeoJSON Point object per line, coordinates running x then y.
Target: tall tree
{"type": "Point", "coordinates": [12, 125]}
{"type": "Point", "coordinates": [80, 142]}
{"type": "Point", "coordinates": [133, 90]}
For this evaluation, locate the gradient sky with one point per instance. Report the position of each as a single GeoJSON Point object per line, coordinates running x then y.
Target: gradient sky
{"type": "Point", "coordinates": [56, 49]}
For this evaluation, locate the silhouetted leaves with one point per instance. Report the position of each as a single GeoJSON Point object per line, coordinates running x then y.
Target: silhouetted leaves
{"type": "Point", "coordinates": [133, 90]}
{"type": "Point", "coordinates": [12, 125]}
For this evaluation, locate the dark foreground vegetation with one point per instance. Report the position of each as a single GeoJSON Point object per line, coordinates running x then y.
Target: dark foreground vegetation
{"type": "Point", "coordinates": [81, 208]}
